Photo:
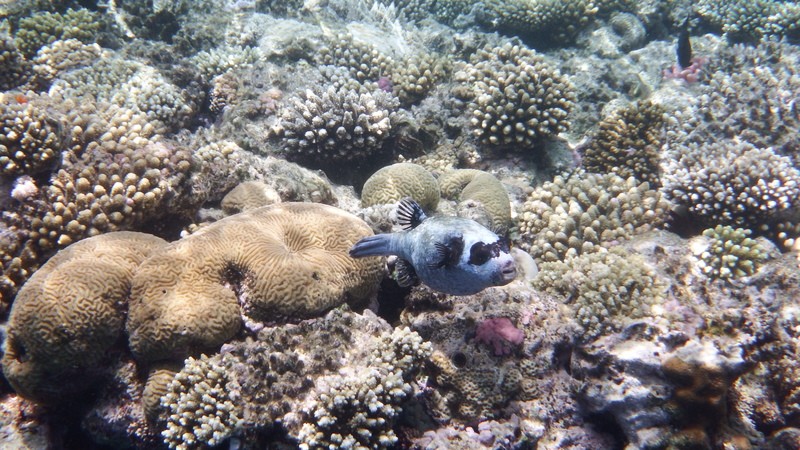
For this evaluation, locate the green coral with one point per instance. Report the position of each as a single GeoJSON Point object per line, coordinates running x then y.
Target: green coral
{"type": "Point", "coordinates": [392, 183]}
{"type": "Point", "coordinates": [514, 97]}
{"type": "Point", "coordinates": [606, 288]}
{"type": "Point", "coordinates": [751, 19]}
{"type": "Point", "coordinates": [731, 253]}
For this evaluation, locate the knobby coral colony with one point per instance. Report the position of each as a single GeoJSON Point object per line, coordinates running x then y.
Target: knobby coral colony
{"type": "Point", "coordinates": [175, 257]}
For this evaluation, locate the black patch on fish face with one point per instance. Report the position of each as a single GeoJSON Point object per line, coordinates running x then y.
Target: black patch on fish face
{"type": "Point", "coordinates": [448, 253]}
{"type": "Point", "coordinates": [409, 213]}
{"type": "Point", "coordinates": [481, 252]}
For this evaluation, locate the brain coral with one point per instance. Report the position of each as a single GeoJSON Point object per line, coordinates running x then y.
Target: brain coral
{"type": "Point", "coordinates": [470, 185]}
{"type": "Point", "coordinates": [249, 195]}
{"type": "Point", "coordinates": [515, 97]}
{"type": "Point", "coordinates": [392, 183]}
{"type": "Point", "coordinates": [285, 261]}
{"type": "Point", "coordinates": [70, 313]}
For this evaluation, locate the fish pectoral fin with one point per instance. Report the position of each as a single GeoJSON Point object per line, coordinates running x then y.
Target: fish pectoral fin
{"type": "Point", "coordinates": [409, 213]}
{"type": "Point", "coordinates": [448, 253]}
{"type": "Point", "coordinates": [404, 273]}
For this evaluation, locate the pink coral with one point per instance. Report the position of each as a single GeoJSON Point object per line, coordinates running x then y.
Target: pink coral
{"type": "Point", "coordinates": [690, 74]}
{"type": "Point", "coordinates": [500, 333]}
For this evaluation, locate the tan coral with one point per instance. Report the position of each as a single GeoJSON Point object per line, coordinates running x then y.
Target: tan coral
{"type": "Point", "coordinates": [285, 261]}
{"type": "Point", "coordinates": [392, 183]}
{"type": "Point", "coordinates": [70, 312]}
{"type": "Point", "coordinates": [249, 195]}
{"type": "Point", "coordinates": [471, 185]}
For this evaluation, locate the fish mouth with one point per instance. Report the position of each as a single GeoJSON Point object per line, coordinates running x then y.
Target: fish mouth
{"type": "Point", "coordinates": [508, 274]}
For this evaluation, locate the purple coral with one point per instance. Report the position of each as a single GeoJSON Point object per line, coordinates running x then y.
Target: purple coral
{"type": "Point", "coordinates": [500, 333]}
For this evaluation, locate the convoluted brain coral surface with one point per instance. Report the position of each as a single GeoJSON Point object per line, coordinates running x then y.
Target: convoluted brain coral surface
{"type": "Point", "coordinates": [70, 312]}
{"type": "Point", "coordinates": [285, 261]}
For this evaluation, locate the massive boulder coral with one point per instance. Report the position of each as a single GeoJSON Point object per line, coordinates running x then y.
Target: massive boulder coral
{"type": "Point", "coordinates": [392, 183]}
{"type": "Point", "coordinates": [70, 313]}
{"type": "Point", "coordinates": [286, 261]}
{"type": "Point", "coordinates": [478, 192]}
{"type": "Point", "coordinates": [515, 97]}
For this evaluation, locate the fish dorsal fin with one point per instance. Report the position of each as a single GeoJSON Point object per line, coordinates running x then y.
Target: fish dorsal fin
{"type": "Point", "coordinates": [409, 213]}
{"type": "Point", "coordinates": [404, 273]}
{"type": "Point", "coordinates": [448, 253]}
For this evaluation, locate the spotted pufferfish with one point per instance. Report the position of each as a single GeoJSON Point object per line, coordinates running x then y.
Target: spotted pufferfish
{"type": "Point", "coordinates": [452, 255]}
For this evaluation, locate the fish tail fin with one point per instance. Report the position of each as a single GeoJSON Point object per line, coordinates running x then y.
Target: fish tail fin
{"type": "Point", "coordinates": [378, 245]}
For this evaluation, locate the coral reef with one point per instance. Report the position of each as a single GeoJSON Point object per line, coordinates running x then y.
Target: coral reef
{"type": "Point", "coordinates": [339, 380]}
{"type": "Point", "coordinates": [481, 197]}
{"type": "Point", "coordinates": [545, 21]}
{"type": "Point", "coordinates": [514, 97]}
{"type": "Point", "coordinates": [14, 68]}
{"type": "Point", "coordinates": [29, 139]}
{"type": "Point", "coordinates": [731, 253]}
{"type": "Point", "coordinates": [732, 183]}
{"type": "Point", "coordinates": [628, 143]}
{"type": "Point", "coordinates": [363, 61]}
{"type": "Point", "coordinates": [414, 77]}
{"type": "Point", "coordinates": [392, 183]}
{"type": "Point", "coordinates": [249, 195]}
{"type": "Point", "coordinates": [751, 20]}
{"type": "Point", "coordinates": [338, 126]}
{"type": "Point", "coordinates": [607, 289]}
{"type": "Point", "coordinates": [285, 261]}
{"type": "Point", "coordinates": [44, 28]}
{"type": "Point", "coordinates": [70, 313]}
{"type": "Point", "coordinates": [575, 215]}
{"type": "Point", "coordinates": [200, 410]}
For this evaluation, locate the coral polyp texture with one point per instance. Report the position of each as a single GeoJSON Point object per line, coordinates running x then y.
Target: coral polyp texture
{"type": "Point", "coordinates": [731, 253]}
{"type": "Point", "coordinates": [607, 288]}
{"type": "Point", "coordinates": [628, 143]}
{"type": "Point", "coordinates": [286, 261]}
{"type": "Point", "coordinates": [515, 98]}
{"type": "Point", "coordinates": [575, 215]}
{"type": "Point", "coordinates": [732, 183]}
{"type": "Point", "coordinates": [338, 381]}
{"type": "Point", "coordinates": [14, 68]}
{"type": "Point", "coordinates": [337, 126]}
{"type": "Point", "coordinates": [415, 76]}
{"type": "Point", "coordinates": [71, 313]}
{"type": "Point", "coordinates": [363, 61]}
{"type": "Point", "coordinates": [29, 138]}
{"type": "Point", "coordinates": [392, 183]}
{"type": "Point", "coordinates": [200, 410]}
{"type": "Point", "coordinates": [481, 197]}
{"type": "Point", "coordinates": [743, 20]}
{"type": "Point", "coordinates": [44, 28]}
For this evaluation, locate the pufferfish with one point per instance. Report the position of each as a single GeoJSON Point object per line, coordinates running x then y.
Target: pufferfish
{"type": "Point", "coordinates": [453, 255]}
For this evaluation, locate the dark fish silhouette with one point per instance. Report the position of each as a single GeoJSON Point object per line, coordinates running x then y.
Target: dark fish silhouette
{"type": "Point", "coordinates": [684, 50]}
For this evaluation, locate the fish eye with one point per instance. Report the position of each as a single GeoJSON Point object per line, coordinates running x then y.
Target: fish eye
{"type": "Point", "coordinates": [479, 253]}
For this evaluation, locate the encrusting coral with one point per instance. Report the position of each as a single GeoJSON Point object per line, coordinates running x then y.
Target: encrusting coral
{"type": "Point", "coordinates": [514, 97]}
{"type": "Point", "coordinates": [70, 313]}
